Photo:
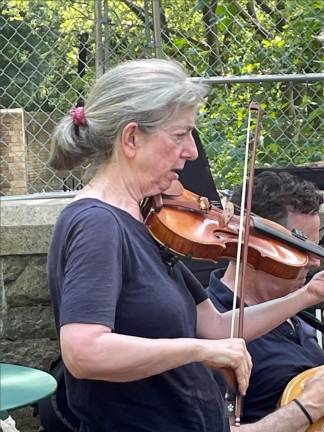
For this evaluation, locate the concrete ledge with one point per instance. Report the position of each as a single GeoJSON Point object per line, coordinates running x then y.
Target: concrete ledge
{"type": "Point", "coordinates": [27, 225]}
{"type": "Point", "coordinates": [41, 211]}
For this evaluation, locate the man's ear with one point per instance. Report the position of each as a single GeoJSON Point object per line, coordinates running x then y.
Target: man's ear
{"type": "Point", "coordinates": [129, 139]}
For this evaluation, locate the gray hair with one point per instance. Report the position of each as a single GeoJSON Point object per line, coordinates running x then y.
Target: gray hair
{"type": "Point", "coordinates": [148, 92]}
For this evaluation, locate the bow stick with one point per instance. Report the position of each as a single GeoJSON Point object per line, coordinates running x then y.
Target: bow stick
{"type": "Point", "coordinates": [245, 216]}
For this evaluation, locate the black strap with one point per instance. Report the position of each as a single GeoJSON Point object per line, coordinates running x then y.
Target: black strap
{"type": "Point", "coordinates": [196, 289]}
{"type": "Point", "coordinates": [301, 406]}
{"type": "Point", "coordinates": [196, 175]}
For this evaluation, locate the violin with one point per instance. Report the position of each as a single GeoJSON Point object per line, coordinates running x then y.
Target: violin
{"type": "Point", "coordinates": [190, 225]}
{"type": "Point", "coordinates": [293, 390]}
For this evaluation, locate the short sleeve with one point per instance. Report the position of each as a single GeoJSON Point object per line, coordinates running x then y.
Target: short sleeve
{"type": "Point", "coordinates": [93, 269]}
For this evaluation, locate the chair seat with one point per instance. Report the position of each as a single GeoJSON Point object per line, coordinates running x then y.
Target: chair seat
{"type": "Point", "coordinates": [22, 386]}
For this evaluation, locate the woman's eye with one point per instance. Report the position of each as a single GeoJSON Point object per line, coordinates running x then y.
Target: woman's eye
{"type": "Point", "coordinates": [181, 135]}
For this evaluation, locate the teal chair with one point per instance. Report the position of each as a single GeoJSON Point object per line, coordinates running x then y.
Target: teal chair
{"type": "Point", "coordinates": [22, 386]}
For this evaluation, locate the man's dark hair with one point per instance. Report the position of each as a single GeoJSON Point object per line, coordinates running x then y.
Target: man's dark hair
{"type": "Point", "coordinates": [276, 194]}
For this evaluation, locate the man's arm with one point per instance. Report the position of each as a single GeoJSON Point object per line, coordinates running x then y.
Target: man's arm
{"type": "Point", "coordinates": [259, 318]}
{"type": "Point", "coordinates": [286, 419]}
{"type": "Point", "coordinates": [291, 418]}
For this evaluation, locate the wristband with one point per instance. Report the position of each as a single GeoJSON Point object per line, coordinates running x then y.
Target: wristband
{"type": "Point", "coordinates": [301, 406]}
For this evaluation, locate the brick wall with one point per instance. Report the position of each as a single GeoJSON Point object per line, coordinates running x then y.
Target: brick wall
{"type": "Point", "coordinates": [27, 333]}
{"type": "Point", "coordinates": [24, 152]}
{"type": "Point", "coordinates": [13, 180]}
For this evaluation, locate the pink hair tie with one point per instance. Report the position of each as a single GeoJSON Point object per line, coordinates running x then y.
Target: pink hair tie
{"type": "Point", "coordinates": [78, 116]}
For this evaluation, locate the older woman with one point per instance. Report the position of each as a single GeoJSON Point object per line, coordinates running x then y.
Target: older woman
{"type": "Point", "coordinates": [136, 346]}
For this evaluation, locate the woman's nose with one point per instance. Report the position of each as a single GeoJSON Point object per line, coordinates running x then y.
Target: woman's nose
{"type": "Point", "coordinates": [190, 151]}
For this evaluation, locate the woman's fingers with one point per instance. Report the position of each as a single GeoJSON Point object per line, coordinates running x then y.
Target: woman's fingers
{"type": "Point", "coordinates": [230, 378]}
{"type": "Point", "coordinates": [230, 353]}
{"type": "Point", "coordinates": [243, 372]}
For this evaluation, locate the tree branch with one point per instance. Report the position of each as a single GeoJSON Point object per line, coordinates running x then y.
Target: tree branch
{"type": "Point", "coordinates": [248, 18]}
{"type": "Point", "coordinates": [166, 38]}
{"type": "Point", "coordinates": [211, 36]}
{"type": "Point", "coordinates": [251, 9]}
{"type": "Point", "coordinates": [266, 9]}
{"type": "Point", "coordinates": [280, 22]}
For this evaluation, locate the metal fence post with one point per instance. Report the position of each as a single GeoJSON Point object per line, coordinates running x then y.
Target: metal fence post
{"type": "Point", "coordinates": [157, 29]}
{"type": "Point", "coordinates": [149, 45]}
{"type": "Point", "coordinates": [98, 35]}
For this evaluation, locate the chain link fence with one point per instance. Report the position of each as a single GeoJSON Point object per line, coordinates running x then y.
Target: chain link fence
{"type": "Point", "coordinates": [51, 51]}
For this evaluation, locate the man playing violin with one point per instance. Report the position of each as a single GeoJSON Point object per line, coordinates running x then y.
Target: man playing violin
{"type": "Point", "coordinates": [292, 347]}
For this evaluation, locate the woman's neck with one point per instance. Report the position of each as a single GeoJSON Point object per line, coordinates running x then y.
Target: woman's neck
{"type": "Point", "coordinates": [111, 186]}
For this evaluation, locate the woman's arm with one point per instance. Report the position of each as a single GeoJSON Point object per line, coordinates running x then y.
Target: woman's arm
{"type": "Point", "coordinates": [261, 318]}
{"type": "Point", "coordinates": [92, 351]}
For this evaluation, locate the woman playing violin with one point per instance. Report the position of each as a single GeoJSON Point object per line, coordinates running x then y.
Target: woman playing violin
{"type": "Point", "coordinates": [137, 344]}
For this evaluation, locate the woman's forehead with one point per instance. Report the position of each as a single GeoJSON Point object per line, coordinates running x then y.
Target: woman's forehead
{"type": "Point", "coordinates": [183, 118]}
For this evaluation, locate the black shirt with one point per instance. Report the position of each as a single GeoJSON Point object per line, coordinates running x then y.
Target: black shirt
{"type": "Point", "coordinates": [105, 268]}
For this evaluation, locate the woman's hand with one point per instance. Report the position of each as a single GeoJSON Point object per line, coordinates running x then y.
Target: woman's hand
{"type": "Point", "coordinates": [229, 353]}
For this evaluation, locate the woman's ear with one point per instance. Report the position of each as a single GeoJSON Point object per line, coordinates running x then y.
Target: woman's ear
{"type": "Point", "coordinates": [129, 139]}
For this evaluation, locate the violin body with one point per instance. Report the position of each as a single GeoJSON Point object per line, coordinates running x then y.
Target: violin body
{"type": "Point", "coordinates": [183, 223]}
{"type": "Point", "coordinates": [293, 390]}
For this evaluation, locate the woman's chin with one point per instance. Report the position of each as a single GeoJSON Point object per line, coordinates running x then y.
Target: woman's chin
{"type": "Point", "coordinates": [158, 189]}
{"type": "Point", "coordinates": [165, 184]}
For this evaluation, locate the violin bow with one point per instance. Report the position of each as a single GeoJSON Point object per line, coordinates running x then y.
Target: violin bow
{"type": "Point", "coordinates": [245, 217]}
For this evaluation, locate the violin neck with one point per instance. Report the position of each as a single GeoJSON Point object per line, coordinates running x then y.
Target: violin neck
{"type": "Point", "coordinates": [289, 239]}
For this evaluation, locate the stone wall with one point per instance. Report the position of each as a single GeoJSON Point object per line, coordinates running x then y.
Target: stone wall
{"type": "Point", "coordinates": [27, 333]}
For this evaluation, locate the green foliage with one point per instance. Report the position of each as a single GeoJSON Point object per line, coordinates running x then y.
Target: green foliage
{"type": "Point", "coordinates": [41, 41]}
{"type": "Point", "coordinates": [41, 73]}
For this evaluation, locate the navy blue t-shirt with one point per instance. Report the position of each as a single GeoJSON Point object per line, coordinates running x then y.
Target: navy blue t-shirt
{"type": "Point", "coordinates": [105, 268]}
{"type": "Point", "coordinates": [277, 357]}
